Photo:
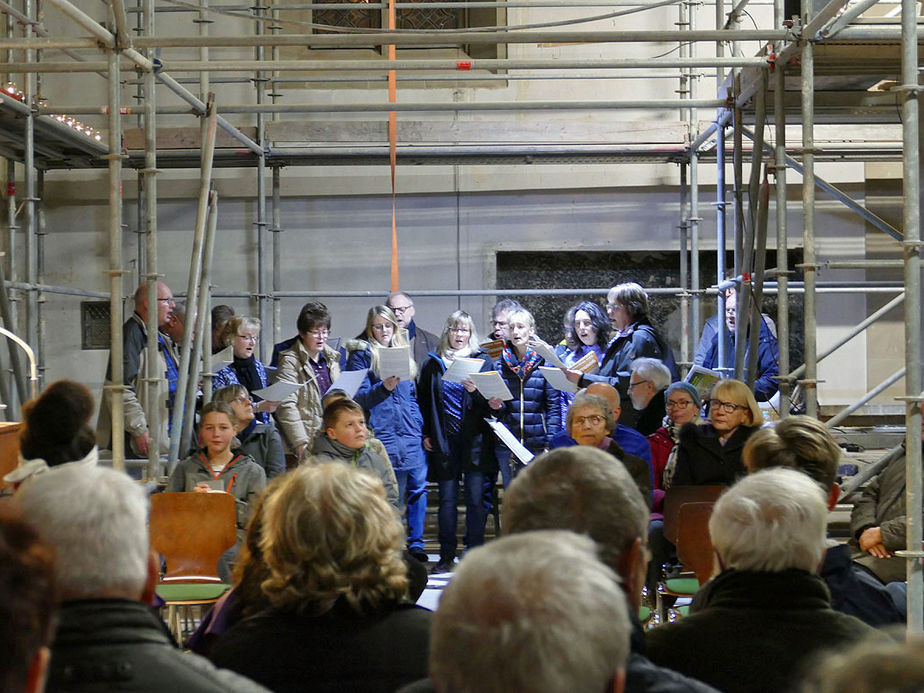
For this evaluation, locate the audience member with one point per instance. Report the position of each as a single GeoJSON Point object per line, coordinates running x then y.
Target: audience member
{"type": "Point", "coordinates": [804, 443]}
{"type": "Point", "coordinates": [590, 422]}
{"type": "Point", "coordinates": [874, 666]}
{"type": "Point", "coordinates": [260, 441]}
{"type": "Point", "coordinates": [499, 315]}
{"type": "Point", "coordinates": [242, 333]}
{"type": "Point", "coordinates": [27, 604]}
{"type": "Point", "coordinates": [344, 440]}
{"type": "Point", "coordinates": [648, 380]}
{"type": "Point", "coordinates": [176, 324]}
{"type": "Point", "coordinates": [628, 438]}
{"type": "Point", "coordinates": [627, 306]}
{"type": "Point", "coordinates": [217, 469]}
{"type": "Point", "coordinates": [108, 638]}
{"type": "Point", "coordinates": [337, 587]}
{"type": "Point", "coordinates": [768, 612]}
{"type": "Point", "coordinates": [534, 413]}
{"type": "Point", "coordinates": [312, 363]}
{"type": "Point", "coordinates": [588, 329]}
{"type": "Point", "coordinates": [711, 453]}
{"type": "Point", "coordinates": [453, 427]}
{"type": "Point", "coordinates": [422, 342]}
{"type": "Point", "coordinates": [768, 359]}
{"type": "Point", "coordinates": [392, 410]}
{"type": "Point", "coordinates": [56, 430]}
{"type": "Point", "coordinates": [536, 612]}
{"type": "Point", "coordinates": [878, 522]}
{"type": "Point", "coordinates": [582, 490]}
{"type": "Point", "coordinates": [139, 402]}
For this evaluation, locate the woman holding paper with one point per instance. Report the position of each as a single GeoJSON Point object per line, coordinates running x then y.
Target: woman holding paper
{"type": "Point", "coordinates": [309, 362]}
{"type": "Point", "coordinates": [241, 333]}
{"type": "Point", "coordinates": [534, 413]}
{"type": "Point", "coordinates": [453, 414]}
{"type": "Point", "coordinates": [389, 397]}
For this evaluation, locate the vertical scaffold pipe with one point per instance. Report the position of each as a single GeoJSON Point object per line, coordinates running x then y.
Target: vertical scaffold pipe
{"type": "Point", "coordinates": [782, 258]}
{"type": "Point", "coordinates": [808, 227]}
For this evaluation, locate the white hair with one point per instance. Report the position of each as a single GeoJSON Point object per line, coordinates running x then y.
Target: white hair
{"type": "Point", "coordinates": [771, 521]}
{"type": "Point", "coordinates": [581, 489]}
{"type": "Point", "coordinates": [533, 613]}
{"type": "Point", "coordinates": [653, 370]}
{"type": "Point", "coordinates": [96, 518]}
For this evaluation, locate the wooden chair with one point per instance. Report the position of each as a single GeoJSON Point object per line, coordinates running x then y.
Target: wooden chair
{"type": "Point", "coordinates": [694, 544]}
{"type": "Point", "coordinates": [191, 531]}
{"type": "Point", "coordinates": [676, 498]}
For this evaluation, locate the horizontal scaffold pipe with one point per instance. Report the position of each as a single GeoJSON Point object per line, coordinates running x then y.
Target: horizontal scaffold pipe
{"type": "Point", "coordinates": [384, 66]}
{"type": "Point", "coordinates": [400, 38]}
{"type": "Point", "coordinates": [417, 5]}
{"type": "Point", "coordinates": [101, 33]}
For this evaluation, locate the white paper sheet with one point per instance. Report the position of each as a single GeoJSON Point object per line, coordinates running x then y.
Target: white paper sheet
{"type": "Point", "coordinates": [558, 379]}
{"type": "Point", "coordinates": [349, 382]}
{"type": "Point", "coordinates": [222, 359]}
{"type": "Point", "coordinates": [510, 440]}
{"type": "Point", "coordinates": [460, 369]}
{"type": "Point", "coordinates": [545, 351]}
{"type": "Point", "coordinates": [278, 391]}
{"type": "Point", "coordinates": [490, 384]}
{"type": "Point", "coordinates": [395, 361]}
{"type": "Point", "coordinates": [334, 343]}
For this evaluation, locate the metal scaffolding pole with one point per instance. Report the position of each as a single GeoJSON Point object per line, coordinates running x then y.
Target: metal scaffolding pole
{"type": "Point", "coordinates": [720, 240]}
{"type": "Point", "coordinates": [277, 254]}
{"type": "Point", "coordinates": [265, 346]}
{"type": "Point", "coordinates": [149, 185]}
{"type": "Point", "coordinates": [697, 318]}
{"type": "Point", "coordinates": [40, 275]}
{"type": "Point", "coordinates": [844, 413]}
{"type": "Point", "coordinates": [911, 218]}
{"type": "Point", "coordinates": [810, 381]}
{"type": "Point", "coordinates": [117, 388]}
{"type": "Point", "coordinates": [782, 242]}
{"type": "Point", "coordinates": [684, 265]}
{"type": "Point", "coordinates": [103, 35]}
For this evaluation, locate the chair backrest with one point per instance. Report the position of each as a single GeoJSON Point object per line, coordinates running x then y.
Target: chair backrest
{"type": "Point", "coordinates": [694, 545]}
{"type": "Point", "coordinates": [191, 531]}
{"type": "Point", "coordinates": [676, 496]}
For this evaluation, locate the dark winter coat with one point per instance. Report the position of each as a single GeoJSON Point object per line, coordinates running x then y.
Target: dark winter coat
{"type": "Point", "coordinates": [703, 461]}
{"type": "Point", "coordinates": [262, 442]}
{"type": "Point", "coordinates": [768, 360]}
{"type": "Point", "coordinates": [534, 413]}
{"type": "Point", "coordinates": [755, 631]}
{"type": "Point", "coordinates": [474, 409]}
{"type": "Point", "coordinates": [326, 450]}
{"type": "Point", "coordinates": [394, 416]}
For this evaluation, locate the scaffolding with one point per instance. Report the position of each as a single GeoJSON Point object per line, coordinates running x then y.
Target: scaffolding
{"type": "Point", "coordinates": [752, 91]}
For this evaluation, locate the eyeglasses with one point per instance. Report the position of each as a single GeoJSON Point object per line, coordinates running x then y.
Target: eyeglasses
{"type": "Point", "coordinates": [613, 307]}
{"type": "Point", "coordinates": [401, 310]}
{"type": "Point", "coordinates": [637, 383]}
{"type": "Point", "coordinates": [319, 333]}
{"type": "Point", "coordinates": [678, 404]}
{"type": "Point", "coordinates": [594, 420]}
{"type": "Point", "coordinates": [166, 300]}
{"type": "Point", "coordinates": [727, 407]}
{"type": "Point", "coordinates": [242, 399]}
{"type": "Point", "coordinates": [247, 338]}
{"type": "Point", "coordinates": [460, 330]}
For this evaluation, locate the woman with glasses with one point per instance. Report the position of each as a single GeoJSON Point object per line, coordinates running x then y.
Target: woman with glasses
{"type": "Point", "coordinates": [392, 411]}
{"type": "Point", "coordinates": [259, 440]}
{"type": "Point", "coordinates": [590, 422]}
{"type": "Point", "coordinates": [242, 334]}
{"type": "Point", "coordinates": [634, 337]}
{"type": "Point", "coordinates": [310, 362]}
{"type": "Point", "coordinates": [682, 405]}
{"type": "Point", "coordinates": [711, 453]}
{"type": "Point", "coordinates": [453, 415]}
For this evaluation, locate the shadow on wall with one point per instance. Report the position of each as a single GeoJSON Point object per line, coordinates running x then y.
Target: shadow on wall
{"type": "Point", "coordinates": [601, 270]}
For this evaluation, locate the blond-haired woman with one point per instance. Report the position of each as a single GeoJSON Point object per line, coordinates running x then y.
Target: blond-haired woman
{"type": "Point", "coordinates": [710, 453]}
{"type": "Point", "coordinates": [339, 618]}
{"type": "Point", "coordinates": [242, 333]}
{"type": "Point", "coordinates": [393, 413]}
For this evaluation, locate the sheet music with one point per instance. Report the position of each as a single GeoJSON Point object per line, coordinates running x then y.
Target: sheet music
{"type": "Point", "coordinates": [702, 379]}
{"type": "Point", "coordinates": [278, 391]}
{"type": "Point", "coordinates": [545, 351]}
{"type": "Point", "coordinates": [349, 382]}
{"type": "Point", "coordinates": [222, 359]}
{"type": "Point", "coordinates": [490, 384]}
{"type": "Point", "coordinates": [493, 348]}
{"type": "Point", "coordinates": [587, 363]}
{"type": "Point", "coordinates": [460, 369]}
{"type": "Point", "coordinates": [558, 379]}
{"type": "Point", "coordinates": [510, 440]}
{"type": "Point", "coordinates": [395, 361]}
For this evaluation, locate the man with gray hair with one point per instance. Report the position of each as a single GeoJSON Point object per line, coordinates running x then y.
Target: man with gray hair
{"type": "Point", "coordinates": [585, 490]}
{"type": "Point", "coordinates": [768, 612]}
{"type": "Point", "coordinates": [108, 637]}
{"type": "Point", "coordinates": [537, 612]}
{"type": "Point", "coordinates": [648, 380]}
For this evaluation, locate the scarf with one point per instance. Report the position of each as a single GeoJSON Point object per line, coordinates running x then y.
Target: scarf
{"type": "Point", "coordinates": [521, 367]}
{"type": "Point", "coordinates": [247, 374]}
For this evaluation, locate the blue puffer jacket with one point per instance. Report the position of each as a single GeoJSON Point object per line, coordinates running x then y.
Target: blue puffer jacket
{"type": "Point", "coordinates": [534, 413]}
{"type": "Point", "coordinates": [768, 360]}
{"type": "Point", "coordinates": [394, 416]}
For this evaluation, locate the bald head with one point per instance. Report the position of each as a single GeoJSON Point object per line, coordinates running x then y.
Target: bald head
{"type": "Point", "coordinates": [609, 393]}
{"type": "Point", "coordinates": [165, 303]}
